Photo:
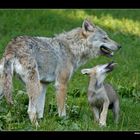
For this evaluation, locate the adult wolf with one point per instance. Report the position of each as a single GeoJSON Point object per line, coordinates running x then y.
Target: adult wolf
{"type": "Point", "coordinates": [41, 60]}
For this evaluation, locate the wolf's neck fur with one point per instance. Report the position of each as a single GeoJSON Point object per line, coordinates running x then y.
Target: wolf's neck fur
{"type": "Point", "coordinates": [78, 45]}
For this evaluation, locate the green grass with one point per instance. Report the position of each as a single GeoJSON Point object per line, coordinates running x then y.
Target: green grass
{"type": "Point", "coordinates": [122, 25]}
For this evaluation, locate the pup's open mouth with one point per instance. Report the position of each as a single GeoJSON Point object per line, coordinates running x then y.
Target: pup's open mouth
{"type": "Point", "coordinates": [106, 51]}
{"type": "Point", "coordinates": [110, 66]}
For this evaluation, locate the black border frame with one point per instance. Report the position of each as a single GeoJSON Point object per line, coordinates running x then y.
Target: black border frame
{"type": "Point", "coordinates": [69, 4]}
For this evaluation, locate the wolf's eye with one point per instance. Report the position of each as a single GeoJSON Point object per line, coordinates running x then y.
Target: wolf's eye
{"type": "Point", "coordinates": [105, 38]}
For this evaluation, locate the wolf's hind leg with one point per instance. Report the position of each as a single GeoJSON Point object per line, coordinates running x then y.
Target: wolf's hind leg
{"type": "Point", "coordinates": [33, 91]}
{"type": "Point", "coordinates": [1, 87]}
{"type": "Point", "coordinates": [116, 111]}
{"type": "Point", "coordinates": [31, 76]}
{"type": "Point", "coordinates": [41, 101]}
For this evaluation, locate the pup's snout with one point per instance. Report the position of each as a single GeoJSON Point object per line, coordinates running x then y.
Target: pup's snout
{"type": "Point", "coordinates": [110, 63]}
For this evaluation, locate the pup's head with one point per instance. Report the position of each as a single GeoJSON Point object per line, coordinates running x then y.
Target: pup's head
{"type": "Point", "coordinates": [99, 72]}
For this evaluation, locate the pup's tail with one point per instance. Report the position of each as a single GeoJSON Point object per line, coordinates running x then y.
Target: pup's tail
{"type": "Point", "coordinates": [7, 78]}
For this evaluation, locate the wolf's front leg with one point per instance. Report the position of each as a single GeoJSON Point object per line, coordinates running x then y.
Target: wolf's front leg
{"type": "Point", "coordinates": [61, 98]}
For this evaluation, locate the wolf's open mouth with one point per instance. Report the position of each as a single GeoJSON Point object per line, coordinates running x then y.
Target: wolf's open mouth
{"type": "Point", "coordinates": [106, 51]}
{"type": "Point", "coordinates": [110, 66]}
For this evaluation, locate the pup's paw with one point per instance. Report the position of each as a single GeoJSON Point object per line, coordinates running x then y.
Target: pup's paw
{"type": "Point", "coordinates": [102, 124]}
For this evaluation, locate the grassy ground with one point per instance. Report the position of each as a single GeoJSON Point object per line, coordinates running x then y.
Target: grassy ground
{"type": "Point", "coordinates": [122, 25]}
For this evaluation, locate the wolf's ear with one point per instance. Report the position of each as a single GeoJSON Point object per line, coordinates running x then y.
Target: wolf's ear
{"type": "Point", "coordinates": [85, 71]}
{"type": "Point", "coordinates": [87, 26]}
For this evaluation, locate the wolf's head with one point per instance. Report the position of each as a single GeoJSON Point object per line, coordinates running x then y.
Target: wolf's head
{"type": "Point", "coordinates": [99, 72]}
{"type": "Point", "coordinates": [98, 41]}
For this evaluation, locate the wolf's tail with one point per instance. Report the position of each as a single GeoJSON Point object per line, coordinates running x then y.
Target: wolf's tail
{"type": "Point", "coordinates": [7, 79]}
{"type": "Point", "coordinates": [1, 78]}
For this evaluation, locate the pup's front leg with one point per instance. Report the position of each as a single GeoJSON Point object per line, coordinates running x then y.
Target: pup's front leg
{"type": "Point", "coordinates": [103, 115]}
{"type": "Point", "coordinates": [96, 114]}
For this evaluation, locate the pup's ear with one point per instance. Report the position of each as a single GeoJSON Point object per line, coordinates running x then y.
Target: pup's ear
{"type": "Point", "coordinates": [87, 26]}
{"type": "Point", "coordinates": [85, 71]}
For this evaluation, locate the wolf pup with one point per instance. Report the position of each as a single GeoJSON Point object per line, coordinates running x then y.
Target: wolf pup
{"type": "Point", "coordinates": [102, 96]}
{"type": "Point", "coordinates": [41, 60]}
